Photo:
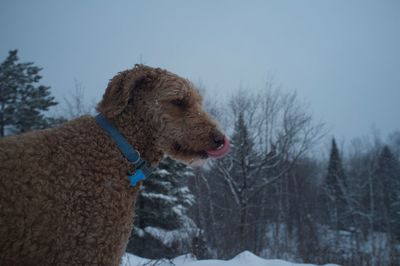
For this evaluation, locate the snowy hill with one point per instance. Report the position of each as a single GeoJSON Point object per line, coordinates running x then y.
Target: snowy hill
{"type": "Point", "coordinates": [245, 258]}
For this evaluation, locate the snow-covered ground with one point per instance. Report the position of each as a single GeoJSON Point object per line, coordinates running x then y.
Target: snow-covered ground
{"type": "Point", "coordinates": [245, 258]}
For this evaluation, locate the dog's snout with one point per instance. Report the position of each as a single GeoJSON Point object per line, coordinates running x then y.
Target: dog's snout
{"type": "Point", "coordinates": [218, 138]}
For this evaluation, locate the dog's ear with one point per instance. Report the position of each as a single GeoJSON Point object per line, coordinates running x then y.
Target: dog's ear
{"type": "Point", "coordinates": [119, 90]}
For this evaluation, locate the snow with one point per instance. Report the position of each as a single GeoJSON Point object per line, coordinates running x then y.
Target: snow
{"type": "Point", "coordinates": [162, 172]}
{"type": "Point", "coordinates": [178, 209]}
{"type": "Point", "coordinates": [159, 196]}
{"type": "Point", "coordinates": [245, 258]}
{"type": "Point", "coordinates": [169, 237]}
{"type": "Point", "coordinates": [139, 232]}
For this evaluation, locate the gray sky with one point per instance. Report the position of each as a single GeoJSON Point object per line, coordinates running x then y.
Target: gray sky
{"type": "Point", "coordinates": [343, 57]}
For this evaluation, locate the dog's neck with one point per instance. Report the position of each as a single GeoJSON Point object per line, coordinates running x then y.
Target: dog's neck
{"type": "Point", "coordinates": [139, 136]}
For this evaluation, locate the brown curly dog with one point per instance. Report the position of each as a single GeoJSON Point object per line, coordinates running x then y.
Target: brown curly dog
{"type": "Point", "coordinates": [65, 198]}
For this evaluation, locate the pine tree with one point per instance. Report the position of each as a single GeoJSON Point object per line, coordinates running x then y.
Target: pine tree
{"type": "Point", "coordinates": [22, 100]}
{"type": "Point", "coordinates": [387, 193]}
{"type": "Point", "coordinates": [162, 226]}
{"type": "Point", "coordinates": [245, 156]}
{"type": "Point", "coordinates": [336, 188]}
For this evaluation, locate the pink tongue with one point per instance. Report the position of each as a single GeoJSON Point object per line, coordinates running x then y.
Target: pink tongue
{"type": "Point", "coordinates": [219, 153]}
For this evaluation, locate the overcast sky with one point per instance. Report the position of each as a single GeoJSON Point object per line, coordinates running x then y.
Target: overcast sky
{"type": "Point", "coordinates": [343, 57]}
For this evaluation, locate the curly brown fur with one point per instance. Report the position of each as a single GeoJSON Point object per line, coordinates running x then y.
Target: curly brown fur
{"type": "Point", "coordinates": [64, 194]}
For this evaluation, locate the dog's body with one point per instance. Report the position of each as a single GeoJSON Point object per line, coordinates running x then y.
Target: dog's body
{"type": "Point", "coordinates": [65, 198]}
{"type": "Point", "coordinates": [70, 199]}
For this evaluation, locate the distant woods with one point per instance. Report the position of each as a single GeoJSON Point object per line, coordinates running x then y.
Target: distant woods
{"type": "Point", "coordinates": [271, 195]}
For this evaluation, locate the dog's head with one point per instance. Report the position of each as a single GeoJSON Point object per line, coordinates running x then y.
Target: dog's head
{"type": "Point", "coordinates": [171, 107]}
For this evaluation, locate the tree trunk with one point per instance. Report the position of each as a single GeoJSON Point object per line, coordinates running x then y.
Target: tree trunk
{"type": "Point", "coordinates": [242, 226]}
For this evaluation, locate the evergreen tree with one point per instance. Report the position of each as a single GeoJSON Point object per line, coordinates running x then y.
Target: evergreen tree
{"type": "Point", "coordinates": [243, 176]}
{"type": "Point", "coordinates": [22, 100]}
{"type": "Point", "coordinates": [162, 227]}
{"type": "Point", "coordinates": [336, 188]}
{"type": "Point", "coordinates": [387, 193]}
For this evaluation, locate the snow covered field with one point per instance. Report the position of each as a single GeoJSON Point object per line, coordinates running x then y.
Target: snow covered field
{"type": "Point", "coordinates": [245, 258]}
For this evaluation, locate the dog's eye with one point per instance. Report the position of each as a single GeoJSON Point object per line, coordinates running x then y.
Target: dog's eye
{"type": "Point", "coordinates": [178, 102]}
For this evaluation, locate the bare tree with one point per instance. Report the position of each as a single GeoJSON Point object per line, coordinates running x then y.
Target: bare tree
{"type": "Point", "coordinates": [271, 131]}
{"type": "Point", "coordinates": [75, 103]}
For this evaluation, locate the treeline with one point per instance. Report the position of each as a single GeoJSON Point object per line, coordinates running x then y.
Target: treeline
{"type": "Point", "coordinates": [316, 211]}
{"type": "Point", "coordinates": [271, 195]}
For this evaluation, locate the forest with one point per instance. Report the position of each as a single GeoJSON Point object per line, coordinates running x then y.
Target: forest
{"type": "Point", "coordinates": [280, 193]}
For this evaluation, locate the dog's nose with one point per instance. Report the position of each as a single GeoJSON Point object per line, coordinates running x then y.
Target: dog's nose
{"type": "Point", "coordinates": [218, 138]}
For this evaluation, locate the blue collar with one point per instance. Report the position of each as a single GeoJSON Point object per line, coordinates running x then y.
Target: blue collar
{"type": "Point", "coordinates": [142, 169]}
